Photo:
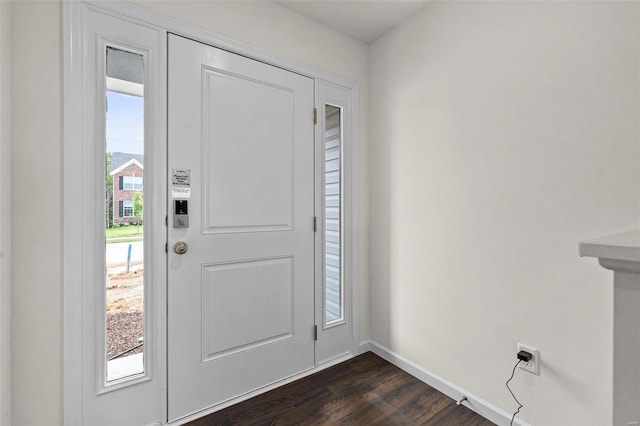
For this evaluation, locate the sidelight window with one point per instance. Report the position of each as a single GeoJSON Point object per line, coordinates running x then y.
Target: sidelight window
{"type": "Point", "coordinates": [124, 226]}
{"type": "Point", "coordinates": [333, 259]}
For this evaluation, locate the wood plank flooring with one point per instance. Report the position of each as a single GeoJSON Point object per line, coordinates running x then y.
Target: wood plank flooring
{"type": "Point", "coordinates": [365, 390]}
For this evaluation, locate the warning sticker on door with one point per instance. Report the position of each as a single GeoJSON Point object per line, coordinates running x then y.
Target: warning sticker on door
{"type": "Point", "coordinates": [181, 179]}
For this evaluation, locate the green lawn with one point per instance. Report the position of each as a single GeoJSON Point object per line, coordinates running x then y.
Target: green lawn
{"type": "Point", "coordinates": [124, 234]}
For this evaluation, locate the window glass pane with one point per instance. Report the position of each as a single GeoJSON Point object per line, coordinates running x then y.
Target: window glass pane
{"type": "Point", "coordinates": [334, 294]}
{"type": "Point", "coordinates": [132, 182]}
{"type": "Point", "coordinates": [124, 207]}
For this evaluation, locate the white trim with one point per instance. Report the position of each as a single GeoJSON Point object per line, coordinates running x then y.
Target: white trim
{"type": "Point", "coordinates": [72, 235]}
{"type": "Point", "coordinates": [364, 347]}
{"type": "Point", "coordinates": [158, 166]}
{"type": "Point", "coordinates": [125, 165]}
{"type": "Point", "coordinates": [455, 392]}
{"type": "Point", "coordinates": [5, 214]}
{"type": "Point", "coordinates": [354, 184]}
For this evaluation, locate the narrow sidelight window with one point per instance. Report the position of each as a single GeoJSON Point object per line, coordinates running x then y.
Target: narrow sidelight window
{"type": "Point", "coordinates": [333, 280]}
{"type": "Point", "coordinates": [124, 214]}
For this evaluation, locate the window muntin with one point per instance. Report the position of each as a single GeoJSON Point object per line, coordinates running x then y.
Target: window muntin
{"type": "Point", "coordinates": [127, 208]}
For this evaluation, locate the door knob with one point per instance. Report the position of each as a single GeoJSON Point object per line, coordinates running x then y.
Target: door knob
{"type": "Point", "coordinates": [180, 247]}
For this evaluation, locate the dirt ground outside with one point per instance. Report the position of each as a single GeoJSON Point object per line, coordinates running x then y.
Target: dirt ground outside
{"type": "Point", "coordinates": [125, 324]}
{"type": "Point", "coordinates": [125, 291]}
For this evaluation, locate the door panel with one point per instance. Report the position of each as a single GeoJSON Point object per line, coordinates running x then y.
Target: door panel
{"type": "Point", "coordinates": [255, 191]}
{"type": "Point", "coordinates": [241, 299]}
{"type": "Point", "coordinates": [255, 296]}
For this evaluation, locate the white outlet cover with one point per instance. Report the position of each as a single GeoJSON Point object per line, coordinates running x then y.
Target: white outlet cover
{"type": "Point", "coordinates": [532, 366]}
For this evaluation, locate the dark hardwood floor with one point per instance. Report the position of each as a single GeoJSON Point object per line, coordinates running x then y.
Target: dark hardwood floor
{"type": "Point", "coordinates": [365, 390]}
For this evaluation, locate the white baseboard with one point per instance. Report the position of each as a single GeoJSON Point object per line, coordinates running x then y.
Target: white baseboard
{"type": "Point", "coordinates": [480, 406]}
{"type": "Point", "coordinates": [365, 346]}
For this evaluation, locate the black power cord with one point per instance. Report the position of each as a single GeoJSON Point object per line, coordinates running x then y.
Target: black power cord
{"type": "Point", "coordinates": [510, 391]}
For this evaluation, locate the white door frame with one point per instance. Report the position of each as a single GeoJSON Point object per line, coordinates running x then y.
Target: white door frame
{"type": "Point", "coordinates": [334, 339]}
{"type": "Point", "coordinates": [77, 196]}
{"type": "Point", "coordinates": [86, 391]}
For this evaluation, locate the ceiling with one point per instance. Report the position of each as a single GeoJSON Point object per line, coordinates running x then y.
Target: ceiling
{"type": "Point", "coordinates": [365, 20]}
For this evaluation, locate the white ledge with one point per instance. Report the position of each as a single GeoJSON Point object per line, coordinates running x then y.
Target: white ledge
{"type": "Point", "coordinates": [624, 246]}
{"type": "Point", "coordinates": [621, 254]}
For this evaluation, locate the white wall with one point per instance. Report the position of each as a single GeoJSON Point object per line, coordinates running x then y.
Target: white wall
{"type": "Point", "coordinates": [36, 208]}
{"type": "Point", "coordinates": [5, 214]}
{"type": "Point", "coordinates": [280, 31]}
{"type": "Point", "coordinates": [37, 167]}
{"type": "Point", "coordinates": [502, 134]}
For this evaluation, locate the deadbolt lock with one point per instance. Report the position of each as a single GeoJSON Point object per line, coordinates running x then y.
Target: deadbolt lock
{"type": "Point", "coordinates": [180, 247]}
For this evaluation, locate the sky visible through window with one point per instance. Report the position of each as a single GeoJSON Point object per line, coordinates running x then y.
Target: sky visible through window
{"type": "Point", "coordinates": [125, 123]}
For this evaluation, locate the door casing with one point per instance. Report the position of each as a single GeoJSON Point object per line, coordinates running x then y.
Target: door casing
{"type": "Point", "coordinates": [78, 195]}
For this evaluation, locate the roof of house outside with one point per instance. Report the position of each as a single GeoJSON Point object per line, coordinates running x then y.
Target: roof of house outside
{"type": "Point", "coordinates": [120, 158]}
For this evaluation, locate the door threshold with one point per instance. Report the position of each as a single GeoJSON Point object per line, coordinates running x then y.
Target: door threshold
{"type": "Point", "coordinates": [260, 391]}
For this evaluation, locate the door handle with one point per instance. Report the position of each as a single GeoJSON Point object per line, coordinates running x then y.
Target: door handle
{"type": "Point", "coordinates": [180, 247]}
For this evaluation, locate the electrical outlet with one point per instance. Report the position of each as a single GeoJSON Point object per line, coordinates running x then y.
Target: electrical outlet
{"type": "Point", "coordinates": [532, 366]}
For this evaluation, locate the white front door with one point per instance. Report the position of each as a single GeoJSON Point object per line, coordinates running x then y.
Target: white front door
{"type": "Point", "coordinates": [241, 299]}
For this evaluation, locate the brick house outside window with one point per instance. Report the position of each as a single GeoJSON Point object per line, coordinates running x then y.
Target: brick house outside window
{"type": "Point", "coordinates": [128, 173]}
